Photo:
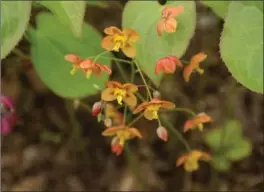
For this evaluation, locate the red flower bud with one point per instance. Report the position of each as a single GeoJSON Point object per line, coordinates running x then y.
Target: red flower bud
{"type": "Point", "coordinates": [97, 107]}
{"type": "Point", "coordinates": [162, 133]}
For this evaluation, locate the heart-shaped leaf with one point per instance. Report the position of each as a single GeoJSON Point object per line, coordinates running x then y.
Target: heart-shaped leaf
{"type": "Point", "coordinates": [71, 13]}
{"type": "Point", "coordinates": [143, 16]}
{"type": "Point", "coordinates": [241, 44]}
{"type": "Point", "coordinates": [51, 41]}
{"type": "Point", "coordinates": [240, 150]}
{"type": "Point", "coordinates": [220, 163]}
{"type": "Point", "coordinates": [14, 19]}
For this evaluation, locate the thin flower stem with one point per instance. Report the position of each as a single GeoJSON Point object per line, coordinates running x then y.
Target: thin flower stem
{"type": "Point", "coordinates": [176, 132]}
{"type": "Point", "coordinates": [145, 86]}
{"type": "Point", "coordinates": [136, 119]}
{"type": "Point", "coordinates": [120, 60]}
{"type": "Point", "coordinates": [133, 73]}
{"type": "Point", "coordinates": [143, 78]}
{"type": "Point", "coordinates": [123, 74]}
{"type": "Point", "coordinates": [125, 114]}
{"type": "Point", "coordinates": [184, 110]}
{"type": "Point", "coordinates": [100, 55]}
{"type": "Point", "coordinates": [87, 107]}
{"type": "Point", "coordinates": [21, 54]}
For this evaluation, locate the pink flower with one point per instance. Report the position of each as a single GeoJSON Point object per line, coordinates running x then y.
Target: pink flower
{"type": "Point", "coordinates": [162, 133]}
{"type": "Point", "coordinates": [8, 116]}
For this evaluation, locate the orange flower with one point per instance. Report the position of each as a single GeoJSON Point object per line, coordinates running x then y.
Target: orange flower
{"type": "Point", "coordinates": [118, 39]}
{"type": "Point", "coordinates": [122, 134]}
{"type": "Point", "coordinates": [88, 66]}
{"type": "Point", "coordinates": [120, 92]}
{"type": "Point", "coordinates": [152, 107]}
{"type": "Point", "coordinates": [112, 113]}
{"type": "Point", "coordinates": [167, 64]}
{"type": "Point", "coordinates": [190, 160]}
{"type": "Point", "coordinates": [197, 122]}
{"type": "Point", "coordinates": [167, 22]}
{"type": "Point", "coordinates": [194, 65]}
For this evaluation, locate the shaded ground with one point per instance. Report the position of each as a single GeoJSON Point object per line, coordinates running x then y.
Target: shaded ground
{"type": "Point", "coordinates": [45, 153]}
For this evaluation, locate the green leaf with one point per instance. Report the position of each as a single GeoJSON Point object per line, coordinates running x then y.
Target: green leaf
{"type": "Point", "coordinates": [224, 138]}
{"type": "Point", "coordinates": [14, 19]}
{"type": "Point", "coordinates": [241, 45]}
{"type": "Point", "coordinates": [102, 4]}
{"type": "Point", "coordinates": [240, 150]}
{"type": "Point", "coordinates": [143, 16]}
{"type": "Point", "coordinates": [71, 13]}
{"type": "Point", "coordinates": [220, 163]}
{"type": "Point", "coordinates": [219, 7]}
{"type": "Point", "coordinates": [50, 43]}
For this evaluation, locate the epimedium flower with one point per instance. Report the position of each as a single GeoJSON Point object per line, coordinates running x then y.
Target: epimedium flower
{"type": "Point", "coordinates": [122, 133]}
{"type": "Point", "coordinates": [194, 66]}
{"type": "Point", "coordinates": [190, 160]}
{"type": "Point", "coordinates": [168, 64]}
{"type": "Point", "coordinates": [117, 39]}
{"type": "Point", "coordinates": [167, 22]}
{"type": "Point", "coordinates": [120, 92]}
{"type": "Point", "coordinates": [88, 66]}
{"type": "Point", "coordinates": [162, 133]}
{"type": "Point", "coordinates": [152, 107]}
{"type": "Point", "coordinates": [197, 122]}
{"type": "Point", "coordinates": [8, 116]}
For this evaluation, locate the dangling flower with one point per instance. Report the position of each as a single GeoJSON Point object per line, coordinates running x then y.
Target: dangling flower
{"type": "Point", "coordinates": [167, 64]}
{"type": "Point", "coordinates": [167, 22]}
{"type": "Point", "coordinates": [190, 160]}
{"type": "Point", "coordinates": [8, 116]}
{"type": "Point", "coordinates": [120, 92]}
{"type": "Point", "coordinates": [122, 134]}
{"type": "Point", "coordinates": [112, 113]}
{"type": "Point", "coordinates": [197, 122]}
{"type": "Point", "coordinates": [97, 108]}
{"type": "Point", "coordinates": [116, 147]}
{"type": "Point", "coordinates": [123, 40]}
{"type": "Point", "coordinates": [162, 133]}
{"type": "Point", "coordinates": [194, 66]}
{"type": "Point", "coordinates": [88, 66]}
{"type": "Point", "coordinates": [152, 107]}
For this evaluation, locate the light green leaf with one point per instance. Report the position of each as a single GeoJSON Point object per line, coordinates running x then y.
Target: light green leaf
{"type": "Point", "coordinates": [14, 19]}
{"type": "Point", "coordinates": [220, 163]}
{"type": "Point", "coordinates": [219, 7]}
{"type": "Point", "coordinates": [241, 45]}
{"type": "Point", "coordinates": [224, 138]}
{"type": "Point", "coordinates": [50, 43]}
{"type": "Point", "coordinates": [240, 150]}
{"type": "Point", "coordinates": [71, 13]}
{"type": "Point", "coordinates": [143, 16]}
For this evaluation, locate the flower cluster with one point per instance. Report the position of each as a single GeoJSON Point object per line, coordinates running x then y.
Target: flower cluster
{"type": "Point", "coordinates": [117, 96]}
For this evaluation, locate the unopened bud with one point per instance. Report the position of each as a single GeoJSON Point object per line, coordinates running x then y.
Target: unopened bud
{"type": "Point", "coordinates": [97, 107]}
{"type": "Point", "coordinates": [156, 94]}
{"type": "Point", "coordinates": [108, 122]}
{"type": "Point", "coordinates": [162, 133]}
{"type": "Point", "coordinates": [76, 103]}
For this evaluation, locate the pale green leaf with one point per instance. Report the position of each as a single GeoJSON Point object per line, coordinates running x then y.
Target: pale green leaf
{"type": "Point", "coordinates": [224, 138]}
{"type": "Point", "coordinates": [14, 19]}
{"type": "Point", "coordinates": [50, 43]}
{"type": "Point", "coordinates": [240, 150]}
{"type": "Point", "coordinates": [143, 16]}
{"type": "Point", "coordinates": [71, 13]}
{"type": "Point", "coordinates": [241, 45]}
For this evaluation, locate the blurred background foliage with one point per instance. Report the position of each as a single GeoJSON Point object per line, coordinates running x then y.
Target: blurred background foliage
{"type": "Point", "coordinates": [57, 146]}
